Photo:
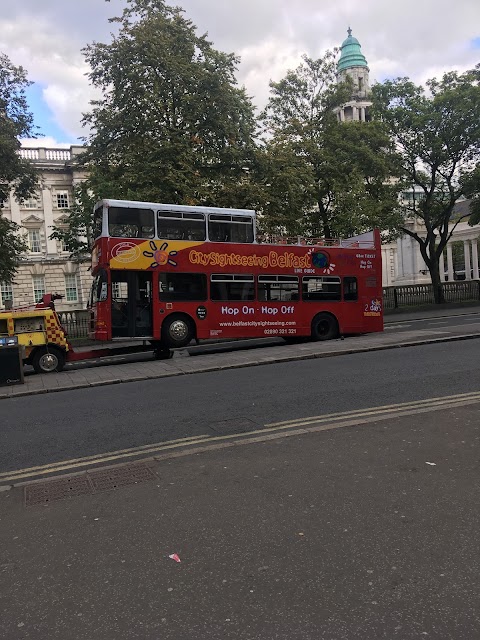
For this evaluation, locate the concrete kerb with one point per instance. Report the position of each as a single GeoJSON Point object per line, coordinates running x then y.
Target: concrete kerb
{"type": "Point", "coordinates": [398, 317]}
{"type": "Point", "coordinates": [237, 365]}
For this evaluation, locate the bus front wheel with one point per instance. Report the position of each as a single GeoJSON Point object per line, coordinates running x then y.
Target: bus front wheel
{"type": "Point", "coordinates": [324, 327]}
{"type": "Point", "coordinates": [177, 331]}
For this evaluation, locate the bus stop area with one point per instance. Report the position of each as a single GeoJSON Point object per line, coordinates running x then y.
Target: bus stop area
{"type": "Point", "coordinates": [106, 373]}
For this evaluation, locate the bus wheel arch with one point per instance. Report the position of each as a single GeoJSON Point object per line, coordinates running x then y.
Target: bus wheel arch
{"type": "Point", "coordinates": [178, 330]}
{"type": "Point", "coordinates": [47, 359]}
{"type": "Point", "coordinates": [324, 326]}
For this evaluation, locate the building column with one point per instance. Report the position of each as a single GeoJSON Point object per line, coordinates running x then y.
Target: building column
{"type": "Point", "coordinates": [450, 262]}
{"type": "Point", "coordinates": [475, 259]}
{"type": "Point", "coordinates": [441, 266]}
{"type": "Point", "coordinates": [362, 114]}
{"type": "Point", "coordinates": [48, 217]}
{"type": "Point", "coordinates": [15, 210]}
{"type": "Point", "coordinates": [468, 264]}
{"type": "Point", "coordinates": [354, 113]}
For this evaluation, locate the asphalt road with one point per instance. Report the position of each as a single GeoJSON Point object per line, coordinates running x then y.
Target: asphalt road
{"type": "Point", "coordinates": [41, 429]}
{"type": "Point", "coordinates": [361, 533]}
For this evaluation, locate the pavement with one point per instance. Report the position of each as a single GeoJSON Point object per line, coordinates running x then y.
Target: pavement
{"type": "Point", "coordinates": [181, 365]}
{"type": "Point", "coordinates": [355, 526]}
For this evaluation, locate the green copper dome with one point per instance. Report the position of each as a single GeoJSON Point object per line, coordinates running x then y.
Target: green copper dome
{"type": "Point", "coordinates": [351, 55]}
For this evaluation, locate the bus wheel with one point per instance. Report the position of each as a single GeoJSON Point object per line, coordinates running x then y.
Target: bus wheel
{"type": "Point", "coordinates": [177, 331]}
{"type": "Point", "coordinates": [162, 354]}
{"type": "Point", "coordinates": [48, 360]}
{"type": "Point", "coordinates": [324, 327]}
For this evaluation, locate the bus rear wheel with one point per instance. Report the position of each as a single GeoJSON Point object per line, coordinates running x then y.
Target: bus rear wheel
{"type": "Point", "coordinates": [324, 327]}
{"type": "Point", "coordinates": [177, 331]}
{"type": "Point", "coordinates": [48, 360]}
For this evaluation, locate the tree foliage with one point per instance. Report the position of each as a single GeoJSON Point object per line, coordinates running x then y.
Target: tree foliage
{"type": "Point", "coordinates": [171, 124]}
{"type": "Point", "coordinates": [16, 174]}
{"type": "Point", "coordinates": [12, 245]}
{"type": "Point", "coordinates": [437, 136]}
{"type": "Point", "coordinates": [16, 122]}
{"type": "Point", "coordinates": [77, 233]}
{"type": "Point", "coordinates": [321, 176]}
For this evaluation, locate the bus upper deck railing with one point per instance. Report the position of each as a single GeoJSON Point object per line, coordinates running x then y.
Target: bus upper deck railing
{"type": "Point", "coordinates": [317, 242]}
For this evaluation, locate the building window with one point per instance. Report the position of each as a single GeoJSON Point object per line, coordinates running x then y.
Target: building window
{"type": "Point", "coordinates": [34, 242]}
{"type": "Point", "coordinates": [31, 203]}
{"type": "Point", "coordinates": [38, 288]}
{"type": "Point", "coordinates": [61, 246]}
{"type": "Point", "coordinates": [61, 200]}
{"type": "Point", "coordinates": [6, 292]}
{"type": "Point", "coordinates": [71, 290]}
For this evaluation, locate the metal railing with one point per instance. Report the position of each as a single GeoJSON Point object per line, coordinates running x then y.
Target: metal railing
{"type": "Point", "coordinates": [316, 242]}
{"type": "Point", "coordinates": [417, 294]}
{"type": "Point", "coordinates": [75, 323]}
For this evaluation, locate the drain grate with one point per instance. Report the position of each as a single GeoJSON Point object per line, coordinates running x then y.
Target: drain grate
{"type": "Point", "coordinates": [120, 476]}
{"type": "Point", "coordinates": [52, 490]}
{"type": "Point", "coordinates": [86, 484]}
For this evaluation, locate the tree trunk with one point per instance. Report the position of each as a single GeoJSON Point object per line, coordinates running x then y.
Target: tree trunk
{"type": "Point", "coordinates": [433, 267]}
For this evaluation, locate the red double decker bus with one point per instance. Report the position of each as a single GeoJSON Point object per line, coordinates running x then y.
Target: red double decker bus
{"type": "Point", "coordinates": [170, 274]}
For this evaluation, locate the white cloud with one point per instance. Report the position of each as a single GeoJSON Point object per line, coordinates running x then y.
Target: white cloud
{"type": "Point", "coordinates": [47, 141]}
{"type": "Point", "coordinates": [411, 38]}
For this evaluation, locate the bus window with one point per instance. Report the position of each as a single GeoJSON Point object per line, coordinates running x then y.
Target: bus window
{"type": "Point", "coordinates": [179, 225]}
{"type": "Point", "coordinates": [350, 288]}
{"type": "Point", "coordinates": [321, 288]}
{"type": "Point", "coordinates": [277, 288]}
{"type": "Point", "coordinates": [232, 287]}
{"type": "Point", "coordinates": [230, 228]}
{"type": "Point", "coordinates": [125, 222]}
{"type": "Point", "coordinates": [183, 286]}
{"type": "Point", "coordinates": [99, 291]}
{"type": "Point", "coordinates": [98, 222]}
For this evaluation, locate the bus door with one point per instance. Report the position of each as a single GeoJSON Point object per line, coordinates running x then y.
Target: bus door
{"type": "Point", "coordinates": [352, 305]}
{"type": "Point", "coordinates": [131, 304]}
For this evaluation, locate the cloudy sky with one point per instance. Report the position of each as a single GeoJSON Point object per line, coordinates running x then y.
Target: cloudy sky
{"type": "Point", "coordinates": [415, 38]}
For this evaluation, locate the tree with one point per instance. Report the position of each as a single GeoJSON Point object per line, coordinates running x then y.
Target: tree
{"type": "Point", "coordinates": [77, 233]}
{"type": "Point", "coordinates": [437, 135]}
{"type": "Point", "coordinates": [12, 245]}
{"type": "Point", "coordinates": [16, 174]}
{"type": "Point", "coordinates": [324, 177]}
{"type": "Point", "coordinates": [171, 125]}
{"type": "Point", "coordinates": [16, 122]}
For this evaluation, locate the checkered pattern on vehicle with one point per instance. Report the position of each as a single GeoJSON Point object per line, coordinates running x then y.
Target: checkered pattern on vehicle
{"type": "Point", "coordinates": [55, 333]}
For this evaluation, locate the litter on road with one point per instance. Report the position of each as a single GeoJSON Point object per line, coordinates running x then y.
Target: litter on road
{"type": "Point", "coordinates": [175, 557]}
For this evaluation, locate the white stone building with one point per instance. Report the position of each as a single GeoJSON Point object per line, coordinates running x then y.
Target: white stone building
{"type": "Point", "coordinates": [402, 261]}
{"type": "Point", "coordinates": [47, 267]}
{"type": "Point", "coordinates": [353, 64]}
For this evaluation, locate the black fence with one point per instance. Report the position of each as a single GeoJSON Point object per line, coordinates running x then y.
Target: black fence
{"type": "Point", "coordinates": [75, 323]}
{"type": "Point", "coordinates": [417, 294]}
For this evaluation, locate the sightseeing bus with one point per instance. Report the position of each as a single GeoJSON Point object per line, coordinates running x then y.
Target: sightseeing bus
{"type": "Point", "coordinates": [169, 274]}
